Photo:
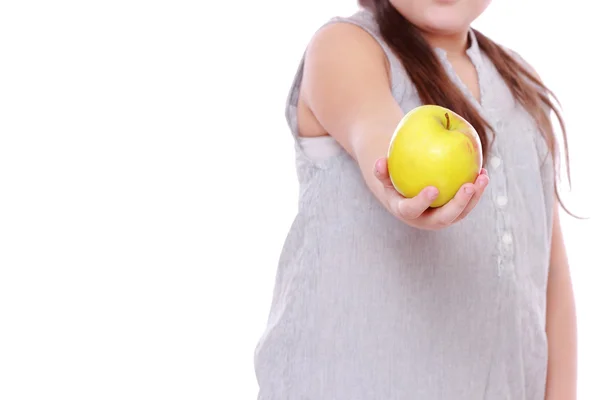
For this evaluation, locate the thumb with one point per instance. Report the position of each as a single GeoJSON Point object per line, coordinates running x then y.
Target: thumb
{"type": "Point", "coordinates": [381, 172]}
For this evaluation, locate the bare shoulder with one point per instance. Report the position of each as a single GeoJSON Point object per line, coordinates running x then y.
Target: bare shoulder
{"type": "Point", "coordinates": [344, 53]}
{"type": "Point", "coordinates": [344, 69]}
{"type": "Point", "coordinates": [345, 40]}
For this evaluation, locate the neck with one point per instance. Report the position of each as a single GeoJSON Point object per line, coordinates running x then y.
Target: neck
{"type": "Point", "coordinates": [454, 45]}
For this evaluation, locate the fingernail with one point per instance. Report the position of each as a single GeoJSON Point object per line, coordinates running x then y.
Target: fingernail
{"type": "Point", "coordinates": [433, 193]}
{"type": "Point", "coordinates": [469, 190]}
{"type": "Point", "coordinates": [482, 182]}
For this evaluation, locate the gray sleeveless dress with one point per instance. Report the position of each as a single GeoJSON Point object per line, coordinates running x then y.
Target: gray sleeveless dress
{"type": "Point", "coordinates": [368, 308]}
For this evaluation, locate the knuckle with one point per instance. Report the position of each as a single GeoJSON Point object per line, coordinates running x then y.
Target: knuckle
{"type": "Point", "coordinates": [445, 221]}
{"type": "Point", "coordinates": [407, 213]}
{"type": "Point", "coordinates": [404, 214]}
{"type": "Point", "coordinates": [464, 197]}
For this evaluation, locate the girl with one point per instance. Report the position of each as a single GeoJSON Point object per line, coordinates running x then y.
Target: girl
{"type": "Point", "coordinates": [380, 297]}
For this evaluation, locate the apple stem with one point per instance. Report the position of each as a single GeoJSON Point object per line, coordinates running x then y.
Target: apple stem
{"type": "Point", "coordinates": [447, 121]}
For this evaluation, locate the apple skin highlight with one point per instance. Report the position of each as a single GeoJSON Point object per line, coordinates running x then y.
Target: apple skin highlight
{"type": "Point", "coordinates": [434, 146]}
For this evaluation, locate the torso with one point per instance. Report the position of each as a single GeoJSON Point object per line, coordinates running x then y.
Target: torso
{"type": "Point", "coordinates": [366, 307]}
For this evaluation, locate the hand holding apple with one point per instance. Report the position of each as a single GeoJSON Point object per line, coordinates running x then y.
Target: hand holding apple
{"type": "Point", "coordinates": [432, 176]}
{"type": "Point", "coordinates": [433, 146]}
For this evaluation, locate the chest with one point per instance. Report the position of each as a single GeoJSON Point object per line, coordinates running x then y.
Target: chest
{"type": "Point", "coordinates": [465, 73]}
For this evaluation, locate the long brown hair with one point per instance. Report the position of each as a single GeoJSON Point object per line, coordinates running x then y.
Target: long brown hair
{"type": "Point", "coordinates": [428, 76]}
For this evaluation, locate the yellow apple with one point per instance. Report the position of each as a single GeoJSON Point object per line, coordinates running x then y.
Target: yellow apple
{"type": "Point", "coordinates": [434, 146]}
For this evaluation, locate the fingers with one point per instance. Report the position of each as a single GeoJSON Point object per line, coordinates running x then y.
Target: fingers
{"type": "Point", "coordinates": [413, 208]}
{"type": "Point", "coordinates": [463, 202]}
{"type": "Point", "coordinates": [417, 211]}
{"type": "Point", "coordinates": [405, 209]}
{"type": "Point", "coordinates": [480, 185]}
{"type": "Point", "coordinates": [447, 214]}
{"type": "Point", "coordinates": [381, 173]}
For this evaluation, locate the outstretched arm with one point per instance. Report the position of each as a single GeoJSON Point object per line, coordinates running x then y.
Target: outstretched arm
{"type": "Point", "coordinates": [560, 323]}
{"type": "Point", "coordinates": [346, 86]}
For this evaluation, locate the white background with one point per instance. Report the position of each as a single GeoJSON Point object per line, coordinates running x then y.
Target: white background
{"type": "Point", "coordinates": [147, 183]}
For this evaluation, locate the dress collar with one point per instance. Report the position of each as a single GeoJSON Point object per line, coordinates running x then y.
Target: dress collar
{"type": "Point", "coordinates": [473, 51]}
